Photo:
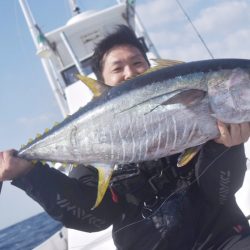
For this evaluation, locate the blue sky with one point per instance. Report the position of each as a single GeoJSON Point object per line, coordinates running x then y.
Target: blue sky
{"type": "Point", "coordinates": [26, 102]}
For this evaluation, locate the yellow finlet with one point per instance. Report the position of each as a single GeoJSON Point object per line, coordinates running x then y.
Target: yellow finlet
{"type": "Point", "coordinates": [97, 87]}
{"type": "Point", "coordinates": [64, 164]}
{"type": "Point", "coordinates": [38, 136]}
{"type": "Point", "coordinates": [53, 163]}
{"type": "Point", "coordinates": [46, 130]}
{"type": "Point", "coordinates": [187, 156]}
{"type": "Point", "coordinates": [104, 175]}
{"type": "Point", "coordinates": [55, 124]}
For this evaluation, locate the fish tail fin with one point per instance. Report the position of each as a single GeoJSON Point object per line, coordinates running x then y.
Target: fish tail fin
{"type": "Point", "coordinates": [104, 175]}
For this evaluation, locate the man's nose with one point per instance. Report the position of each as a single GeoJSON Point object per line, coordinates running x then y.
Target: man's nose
{"type": "Point", "coordinates": [130, 72]}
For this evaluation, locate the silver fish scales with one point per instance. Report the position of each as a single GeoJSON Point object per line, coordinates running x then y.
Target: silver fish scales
{"type": "Point", "coordinates": [153, 115]}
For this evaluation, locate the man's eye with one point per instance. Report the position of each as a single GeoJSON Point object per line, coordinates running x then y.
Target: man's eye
{"type": "Point", "coordinates": [115, 70]}
{"type": "Point", "coordinates": [138, 63]}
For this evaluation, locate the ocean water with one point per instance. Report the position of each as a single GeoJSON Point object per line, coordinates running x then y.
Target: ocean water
{"type": "Point", "coordinates": [29, 233]}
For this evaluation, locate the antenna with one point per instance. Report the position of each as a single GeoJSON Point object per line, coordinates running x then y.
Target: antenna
{"type": "Point", "coordinates": [195, 29]}
{"type": "Point", "coordinates": [39, 39]}
{"type": "Point", "coordinates": [75, 10]}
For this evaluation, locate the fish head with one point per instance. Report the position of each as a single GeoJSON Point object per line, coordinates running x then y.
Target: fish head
{"type": "Point", "coordinates": [229, 95]}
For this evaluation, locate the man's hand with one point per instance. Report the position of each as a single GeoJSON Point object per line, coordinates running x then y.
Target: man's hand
{"type": "Point", "coordinates": [12, 166]}
{"type": "Point", "coordinates": [233, 134]}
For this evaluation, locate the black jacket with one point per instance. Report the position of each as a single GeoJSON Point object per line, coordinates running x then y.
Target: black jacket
{"type": "Point", "coordinates": [181, 208]}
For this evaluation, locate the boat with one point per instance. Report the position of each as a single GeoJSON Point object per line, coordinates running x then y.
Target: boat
{"type": "Point", "coordinates": [66, 51]}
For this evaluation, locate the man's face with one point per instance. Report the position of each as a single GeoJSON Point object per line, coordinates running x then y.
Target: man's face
{"type": "Point", "coordinates": [122, 63]}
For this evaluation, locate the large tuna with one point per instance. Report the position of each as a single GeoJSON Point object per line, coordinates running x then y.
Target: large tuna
{"type": "Point", "coordinates": [151, 116]}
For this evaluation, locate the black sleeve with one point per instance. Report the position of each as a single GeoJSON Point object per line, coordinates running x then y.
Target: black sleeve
{"type": "Point", "coordinates": [220, 171]}
{"type": "Point", "coordinates": [69, 200]}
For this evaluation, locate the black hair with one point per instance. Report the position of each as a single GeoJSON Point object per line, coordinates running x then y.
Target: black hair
{"type": "Point", "coordinates": [123, 35]}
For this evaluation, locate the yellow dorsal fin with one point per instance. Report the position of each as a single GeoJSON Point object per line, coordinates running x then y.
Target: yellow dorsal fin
{"type": "Point", "coordinates": [188, 155]}
{"type": "Point", "coordinates": [161, 63]}
{"type": "Point", "coordinates": [95, 86]}
{"type": "Point", "coordinates": [166, 62]}
{"type": "Point", "coordinates": [104, 175]}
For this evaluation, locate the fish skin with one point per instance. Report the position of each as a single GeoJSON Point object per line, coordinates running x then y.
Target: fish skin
{"type": "Point", "coordinates": [151, 116]}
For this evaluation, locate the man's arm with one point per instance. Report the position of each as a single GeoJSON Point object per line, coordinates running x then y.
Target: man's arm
{"type": "Point", "coordinates": [220, 171]}
{"type": "Point", "coordinates": [68, 200]}
{"type": "Point", "coordinates": [221, 164]}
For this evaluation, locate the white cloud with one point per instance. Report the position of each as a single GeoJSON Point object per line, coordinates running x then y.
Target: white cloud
{"type": "Point", "coordinates": [234, 45]}
{"type": "Point", "coordinates": [224, 26]}
{"type": "Point", "coordinates": [161, 12]}
{"type": "Point", "coordinates": [154, 13]}
{"type": "Point", "coordinates": [37, 121]}
{"type": "Point", "coordinates": [224, 17]}
{"type": "Point", "coordinates": [30, 126]}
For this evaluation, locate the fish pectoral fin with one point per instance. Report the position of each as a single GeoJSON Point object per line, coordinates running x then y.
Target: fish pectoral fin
{"type": "Point", "coordinates": [104, 175]}
{"type": "Point", "coordinates": [188, 155]}
{"type": "Point", "coordinates": [187, 97]}
{"type": "Point", "coordinates": [97, 87]}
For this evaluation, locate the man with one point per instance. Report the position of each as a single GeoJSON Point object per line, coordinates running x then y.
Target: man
{"type": "Point", "coordinates": [151, 205]}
